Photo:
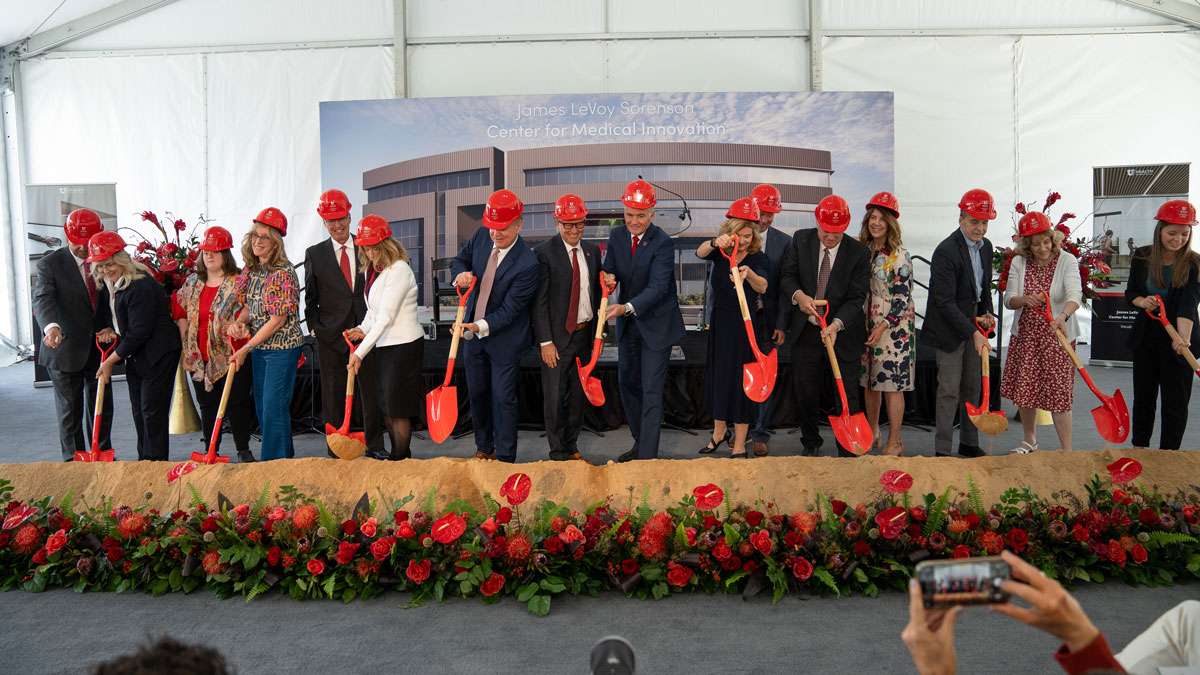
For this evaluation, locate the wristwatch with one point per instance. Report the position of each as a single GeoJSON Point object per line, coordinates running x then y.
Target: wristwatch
{"type": "Point", "coordinates": [629, 309]}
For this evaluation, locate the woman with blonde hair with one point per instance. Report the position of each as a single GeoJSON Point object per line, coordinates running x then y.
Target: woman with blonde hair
{"type": "Point", "coordinates": [887, 367]}
{"type": "Point", "coordinates": [269, 295]}
{"type": "Point", "coordinates": [135, 311]}
{"type": "Point", "coordinates": [1038, 372]}
{"type": "Point", "coordinates": [1167, 269]}
{"type": "Point", "coordinates": [728, 347]}
{"type": "Point", "coordinates": [390, 328]}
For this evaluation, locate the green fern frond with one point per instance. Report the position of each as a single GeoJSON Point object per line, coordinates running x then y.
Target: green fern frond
{"type": "Point", "coordinates": [1161, 539]}
{"type": "Point", "coordinates": [258, 589]}
{"type": "Point", "coordinates": [974, 496]}
{"type": "Point", "coordinates": [827, 579]}
{"type": "Point", "coordinates": [491, 505]}
{"type": "Point", "coordinates": [327, 520]}
{"type": "Point", "coordinates": [68, 503]}
{"type": "Point", "coordinates": [643, 510]}
{"type": "Point", "coordinates": [197, 498]}
{"type": "Point", "coordinates": [429, 506]}
{"type": "Point", "coordinates": [937, 513]}
{"type": "Point", "coordinates": [264, 498]}
{"type": "Point", "coordinates": [329, 584]}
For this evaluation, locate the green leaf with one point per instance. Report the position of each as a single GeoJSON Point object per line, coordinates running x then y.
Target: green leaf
{"type": "Point", "coordinates": [540, 605]}
{"type": "Point", "coordinates": [524, 593]}
{"type": "Point", "coordinates": [660, 589]}
{"type": "Point", "coordinates": [652, 572]}
{"type": "Point", "coordinates": [439, 589]}
{"type": "Point", "coordinates": [936, 514]}
{"type": "Point", "coordinates": [974, 496]}
{"type": "Point", "coordinates": [264, 498]}
{"type": "Point", "coordinates": [826, 578]}
{"type": "Point", "coordinates": [860, 575]}
{"type": "Point", "coordinates": [465, 587]}
{"type": "Point", "coordinates": [552, 587]}
{"type": "Point", "coordinates": [329, 585]}
{"type": "Point", "coordinates": [1081, 574]}
{"type": "Point", "coordinates": [348, 594]}
{"type": "Point", "coordinates": [731, 536]}
{"type": "Point", "coordinates": [429, 505]}
{"type": "Point", "coordinates": [197, 499]}
{"type": "Point", "coordinates": [67, 503]}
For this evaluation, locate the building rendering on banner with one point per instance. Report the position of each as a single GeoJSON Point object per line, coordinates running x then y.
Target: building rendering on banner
{"type": "Point", "coordinates": [435, 203]}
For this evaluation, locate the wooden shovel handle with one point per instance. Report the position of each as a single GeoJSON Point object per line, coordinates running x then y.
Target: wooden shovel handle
{"type": "Point", "coordinates": [600, 320]}
{"type": "Point", "coordinates": [837, 372]}
{"type": "Point", "coordinates": [1062, 340]}
{"type": "Point", "coordinates": [458, 319]}
{"type": "Point", "coordinates": [226, 389]}
{"type": "Point", "coordinates": [1187, 353]}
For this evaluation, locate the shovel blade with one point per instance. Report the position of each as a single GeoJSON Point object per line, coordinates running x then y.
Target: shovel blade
{"type": "Point", "coordinates": [1112, 418]}
{"type": "Point", "coordinates": [991, 423]}
{"type": "Point", "coordinates": [441, 411]}
{"type": "Point", "coordinates": [83, 456]}
{"type": "Point", "coordinates": [758, 378]}
{"type": "Point", "coordinates": [852, 432]}
{"type": "Point", "coordinates": [206, 458]}
{"type": "Point", "coordinates": [105, 456]}
{"type": "Point", "coordinates": [593, 390]}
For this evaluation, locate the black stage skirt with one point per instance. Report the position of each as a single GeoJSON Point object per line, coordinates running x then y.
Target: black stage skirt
{"type": "Point", "coordinates": [398, 381]}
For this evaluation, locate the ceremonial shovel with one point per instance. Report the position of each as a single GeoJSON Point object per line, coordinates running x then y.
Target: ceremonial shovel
{"type": "Point", "coordinates": [1187, 353]}
{"type": "Point", "coordinates": [211, 457]}
{"type": "Point", "coordinates": [992, 423]}
{"type": "Point", "coordinates": [98, 455]}
{"type": "Point", "coordinates": [343, 442]}
{"type": "Point", "coordinates": [852, 431]}
{"type": "Point", "coordinates": [1112, 415]}
{"type": "Point", "coordinates": [758, 378]}
{"type": "Point", "coordinates": [441, 404]}
{"type": "Point", "coordinates": [591, 385]}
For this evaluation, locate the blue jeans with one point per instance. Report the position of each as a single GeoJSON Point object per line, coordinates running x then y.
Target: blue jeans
{"type": "Point", "coordinates": [274, 376]}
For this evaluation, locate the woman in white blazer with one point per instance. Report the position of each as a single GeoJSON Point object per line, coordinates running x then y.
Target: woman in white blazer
{"type": "Point", "coordinates": [1038, 372]}
{"type": "Point", "coordinates": [390, 327]}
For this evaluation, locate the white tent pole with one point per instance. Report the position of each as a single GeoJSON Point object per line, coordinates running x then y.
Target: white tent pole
{"type": "Point", "coordinates": [400, 47]}
{"type": "Point", "coordinates": [816, 36]}
{"type": "Point", "coordinates": [15, 177]}
{"type": "Point", "coordinates": [108, 17]}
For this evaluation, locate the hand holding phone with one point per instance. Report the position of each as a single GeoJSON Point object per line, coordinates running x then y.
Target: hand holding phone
{"type": "Point", "coordinates": [965, 581]}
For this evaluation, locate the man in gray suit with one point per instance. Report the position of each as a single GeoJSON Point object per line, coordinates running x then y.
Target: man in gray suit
{"type": "Point", "coordinates": [773, 316]}
{"type": "Point", "coordinates": [65, 306]}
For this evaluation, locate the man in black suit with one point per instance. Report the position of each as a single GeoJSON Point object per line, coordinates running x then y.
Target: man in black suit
{"type": "Point", "coordinates": [773, 317]}
{"type": "Point", "coordinates": [823, 264]}
{"type": "Point", "coordinates": [960, 292]}
{"type": "Point", "coordinates": [65, 306]}
{"type": "Point", "coordinates": [333, 302]}
{"type": "Point", "coordinates": [564, 322]}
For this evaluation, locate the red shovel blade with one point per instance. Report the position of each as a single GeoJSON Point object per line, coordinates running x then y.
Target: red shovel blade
{"type": "Point", "coordinates": [758, 378]}
{"type": "Point", "coordinates": [441, 410]}
{"type": "Point", "coordinates": [853, 432]}
{"type": "Point", "coordinates": [94, 456]}
{"type": "Point", "coordinates": [1112, 418]}
{"type": "Point", "coordinates": [209, 458]}
{"type": "Point", "coordinates": [591, 385]}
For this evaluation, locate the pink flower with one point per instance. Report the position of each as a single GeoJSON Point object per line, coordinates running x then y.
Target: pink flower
{"type": "Point", "coordinates": [571, 533]}
{"type": "Point", "coordinates": [370, 527]}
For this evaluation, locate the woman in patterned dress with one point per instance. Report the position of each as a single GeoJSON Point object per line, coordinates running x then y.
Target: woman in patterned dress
{"type": "Point", "coordinates": [887, 370]}
{"type": "Point", "coordinates": [269, 292]}
{"type": "Point", "coordinates": [1038, 373]}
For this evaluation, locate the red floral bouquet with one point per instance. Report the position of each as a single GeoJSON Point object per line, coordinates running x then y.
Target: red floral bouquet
{"type": "Point", "coordinates": [170, 262]}
{"type": "Point", "coordinates": [1094, 273]}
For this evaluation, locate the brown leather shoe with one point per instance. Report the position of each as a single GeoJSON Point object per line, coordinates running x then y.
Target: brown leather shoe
{"type": "Point", "coordinates": [580, 458]}
{"type": "Point", "coordinates": [761, 449]}
{"type": "Point", "coordinates": [484, 455]}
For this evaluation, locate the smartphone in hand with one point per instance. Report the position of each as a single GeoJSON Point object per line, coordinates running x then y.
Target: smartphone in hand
{"type": "Point", "coordinates": [963, 581]}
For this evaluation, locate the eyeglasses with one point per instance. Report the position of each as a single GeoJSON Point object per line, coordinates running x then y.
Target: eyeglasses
{"type": "Point", "coordinates": [572, 226]}
{"type": "Point", "coordinates": [254, 236]}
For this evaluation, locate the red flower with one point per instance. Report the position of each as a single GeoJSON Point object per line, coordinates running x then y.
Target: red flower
{"type": "Point", "coordinates": [493, 585]}
{"type": "Point", "coordinates": [791, 539]}
{"type": "Point", "coordinates": [732, 563]}
{"type": "Point", "coordinates": [346, 552]}
{"type": "Point", "coordinates": [973, 521]}
{"type": "Point", "coordinates": [1115, 552]}
{"type": "Point", "coordinates": [571, 533]}
{"type": "Point", "coordinates": [1019, 208]}
{"type": "Point", "coordinates": [18, 514]}
{"type": "Point", "coordinates": [504, 515]}
{"type": "Point", "coordinates": [1124, 470]}
{"type": "Point", "coordinates": [400, 517]}
{"type": "Point", "coordinates": [180, 470]}
{"type": "Point", "coordinates": [802, 569]}
{"type": "Point", "coordinates": [449, 528]}
{"type": "Point", "coordinates": [991, 542]}
{"type": "Point", "coordinates": [305, 517]}
{"type": "Point", "coordinates": [557, 523]}
{"type": "Point", "coordinates": [708, 497]}
{"type": "Point", "coordinates": [839, 507]}
{"type": "Point", "coordinates": [678, 575]}
{"type": "Point", "coordinates": [1148, 517]}
{"type": "Point", "coordinates": [518, 548]}
{"type": "Point", "coordinates": [629, 566]}
{"type": "Point", "coordinates": [896, 482]}
{"type": "Point", "coordinates": [405, 531]}
{"type": "Point", "coordinates": [1050, 199]}
{"type": "Point", "coordinates": [690, 533]}
{"type": "Point", "coordinates": [370, 527]}
{"type": "Point", "coordinates": [853, 529]}
{"type": "Point", "coordinates": [209, 524]}
{"type": "Point", "coordinates": [961, 551]}
{"type": "Point", "coordinates": [709, 522]}
{"type": "Point", "coordinates": [418, 572]}
{"type": "Point", "coordinates": [1018, 539]}
{"type": "Point", "coordinates": [862, 549]}
{"type": "Point", "coordinates": [753, 518]}
{"type": "Point", "coordinates": [27, 539]}
{"type": "Point", "coordinates": [553, 545]}
{"type": "Point", "coordinates": [273, 555]}
{"type": "Point", "coordinates": [316, 566]}
{"type": "Point", "coordinates": [149, 215]}
{"type": "Point", "coordinates": [40, 558]}
{"type": "Point", "coordinates": [805, 522]}
{"type": "Point", "coordinates": [212, 563]}
{"type": "Point", "coordinates": [180, 226]}
{"type": "Point", "coordinates": [722, 551]}
{"type": "Point", "coordinates": [1080, 533]}
{"type": "Point", "coordinates": [489, 526]}
{"type": "Point", "coordinates": [761, 541]}
{"type": "Point", "coordinates": [56, 541]}
{"type": "Point", "coordinates": [1138, 554]}
{"type": "Point", "coordinates": [892, 521]}
{"type": "Point", "coordinates": [3, 539]}
{"type": "Point", "coordinates": [382, 548]}
{"type": "Point", "coordinates": [349, 527]}
{"type": "Point", "coordinates": [516, 489]}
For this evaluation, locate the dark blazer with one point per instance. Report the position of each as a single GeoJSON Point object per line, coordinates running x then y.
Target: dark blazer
{"type": "Point", "coordinates": [62, 298]}
{"type": "Point", "coordinates": [647, 280]}
{"type": "Point", "coordinates": [144, 315]}
{"type": "Point", "coordinates": [552, 303]}
{"type": "Point", "coordinates": [1180, 302]}
{"type": "Point", "coordinates": [507, 314]}
{"type": "Point", "coordinates": [778, 314]}
{"type": "Point", "coordinates": [951, 308]}
{"type": "Point", "coordinates": [330, 307]}
{"type": "Point", "coordinates": [849, 283]}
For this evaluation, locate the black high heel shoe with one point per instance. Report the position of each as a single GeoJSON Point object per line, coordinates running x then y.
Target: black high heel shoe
{"type": "Point", "coordinates": [712, 446]}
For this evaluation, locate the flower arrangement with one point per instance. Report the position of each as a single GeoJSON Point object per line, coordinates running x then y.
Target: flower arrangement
{"type": "Point", "coordinates": [1094, 272]}
{"type": "Point", "coordinates": [1118, 528]}
{"type": "Point", "coordinates": [170, 262]}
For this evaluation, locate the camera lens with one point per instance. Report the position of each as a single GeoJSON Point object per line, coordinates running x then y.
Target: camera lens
{"type": "Point", "coordinates": [613, 655]}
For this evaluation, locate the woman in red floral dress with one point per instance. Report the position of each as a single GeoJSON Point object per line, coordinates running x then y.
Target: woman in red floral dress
{"type": "Point", "coordinates": [1038, 372]}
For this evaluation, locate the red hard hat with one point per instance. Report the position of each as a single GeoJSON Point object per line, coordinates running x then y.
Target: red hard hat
{"type": "Point", "coordinates": [570, 208]}
{"type": "Point", "coordinates": [1032, 223]}
{"type": "Point", "coordinates": [1176, 212]}
{"type": "Point", "coordinates": [103, 245]}
{"type": "Point", "coordinates": [885, 200]}
{"type": "Point", "coordinates": [333, 205]}
{"type": "Point", "coordinates": [502, 209]}
{"type": "Point", "coordinates": [639, 195]}
{"type": "Point", "coordinates": [81, 225]}
{"type": "Point", "coordinates": [833, 214]}
{"type": "Point", "coordinates": [978, 204]}
{"type": "Point", "coordinates": [273, 217]}
{"type": "Point", "coordinates": [768, 199]}
{"type": "Point", "coordinates": [744, 208]}
{"type": "Point", "coordinates": [216, 239]}
{"type": "Point", "coordinates": [371, 230]}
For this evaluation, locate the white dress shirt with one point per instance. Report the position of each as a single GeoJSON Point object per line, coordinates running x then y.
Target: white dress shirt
{"type": "Point", "coordinates": [337, 257]}
{"type": "Point", "coordinates": [586, 312]}
{"type": "Point", "coordinates": [482, 323]}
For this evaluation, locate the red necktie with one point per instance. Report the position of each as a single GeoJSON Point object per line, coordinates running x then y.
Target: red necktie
{"type": "Point", "coordinates": [346, 268]}
{"type": "Point", "coordinates": [573, 311]}
{"type": "Point", "coordinates": [88, 281]}
{"type": "Point", "coordinates": [370, 277]}
{"type": "Point", "coordinates": [633, 252]}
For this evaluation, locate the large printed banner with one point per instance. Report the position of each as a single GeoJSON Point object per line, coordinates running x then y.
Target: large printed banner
{"type": "Point", "coordinates": [428, 165]}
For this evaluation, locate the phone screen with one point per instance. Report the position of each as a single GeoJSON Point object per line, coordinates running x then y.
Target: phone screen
{"type": "Point", "coordinates": [963, 582]}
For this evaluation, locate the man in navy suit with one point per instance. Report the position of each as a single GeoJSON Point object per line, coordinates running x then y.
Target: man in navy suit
{"type": "Point", "coordinates": [960, 292]}
{"type": "Point", "coordinates": [499, 333]}
{"type": "Point", "coordinates": [772, 316]}
{"type": "Point", "coordinates": [641, 258]}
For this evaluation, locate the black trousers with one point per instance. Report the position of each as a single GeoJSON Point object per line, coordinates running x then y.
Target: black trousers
{"type": "Point", "coordinates": [150, 388]}
{"type": "Point", "coordinates": [237, 409]}
{"type": "Point", "coordinates": [75, 404]}
{"type": "Point", "coordinates": [562, 395]}
{"type": "Point", "coordinates": [365, 415]}
{"type": "Point", "coordinates": [1157, 370]}
{"type": "Point", "coordinates": [810, 371]}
